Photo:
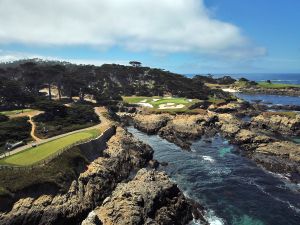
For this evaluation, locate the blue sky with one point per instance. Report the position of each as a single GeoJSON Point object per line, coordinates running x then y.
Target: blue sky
{"type": "Point", "coordinates": [185, 36]}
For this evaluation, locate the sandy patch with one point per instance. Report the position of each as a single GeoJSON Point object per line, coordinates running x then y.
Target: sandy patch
{"type": "Point", "coordinates": [171, 106]}
{"type": "Point", "coordinates": [145, 104]}
{"type": "Point", "coordinates": [230, 90]}
{"type": "Point", "coordinates": [155, 99]}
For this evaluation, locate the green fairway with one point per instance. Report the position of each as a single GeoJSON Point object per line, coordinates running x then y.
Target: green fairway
{"type": "Point", "coordinates": [13, 112]}
{"type": "Point", "coordinates": [43, 151]}
{"type": "Point", "coordinates": [162, 103]}
{"type": "Point", "coordinates": [277, 86]}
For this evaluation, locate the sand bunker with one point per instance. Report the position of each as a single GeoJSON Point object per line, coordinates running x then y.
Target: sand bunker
{"type": "Point", "coordinates": [145, 104]}
{"type": "Point", "coordinates": [171, 106]}
{"type": "Point", "coordinates": [230, 90]}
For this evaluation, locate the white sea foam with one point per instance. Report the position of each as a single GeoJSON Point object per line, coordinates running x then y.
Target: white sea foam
{"type": "Point", "coordinates": [212, 219]}
{"type": "Point", "coordinates": [208, 158]}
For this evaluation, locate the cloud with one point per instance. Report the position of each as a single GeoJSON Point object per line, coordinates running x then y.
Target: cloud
{"type": "Point", "coordinates": [10, 56]}
{"type": "Point", "coordinates": [160, 26]}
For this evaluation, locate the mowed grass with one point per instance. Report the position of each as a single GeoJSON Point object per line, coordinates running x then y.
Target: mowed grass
{"type": "Point", "coordinates": [43, 151]}
{"type": "Point", "coordinates": [14, 112]}
{"type": "Point", "coordinates": [156, 101]}
{"type": "Point", "coordinates": [277, 86]}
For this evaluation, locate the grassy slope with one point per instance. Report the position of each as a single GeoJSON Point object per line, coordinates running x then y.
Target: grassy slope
{"type": "Point", "coordinates": [277, 86]}
{"type": "Point", "coordinates": [60, 172]}
{"type": "Point", "coordinates": [244, 84]}
{"type": "Point", "coordinates": [13, 112]}
{"type": "Point", "coordinates": [43, 151]}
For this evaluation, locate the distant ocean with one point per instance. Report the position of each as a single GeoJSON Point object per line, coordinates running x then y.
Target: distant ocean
{"type": "Point", "coordinates": [285, 78]}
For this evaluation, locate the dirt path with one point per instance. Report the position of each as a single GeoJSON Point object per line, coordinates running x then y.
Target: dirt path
{"type": "Point", "coordinates": [103, 125]}
{"type": "Point", "coordinates": [33, 127]}
{"type": "Point", "coordinates": [30, 114]}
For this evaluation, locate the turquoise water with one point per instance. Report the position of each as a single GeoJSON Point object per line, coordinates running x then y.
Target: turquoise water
{"type": "Point", "coordinates": [233, 189]}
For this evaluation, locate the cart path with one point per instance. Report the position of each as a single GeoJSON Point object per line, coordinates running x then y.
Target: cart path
{"type": "Point", "coordinates": [103, 125]}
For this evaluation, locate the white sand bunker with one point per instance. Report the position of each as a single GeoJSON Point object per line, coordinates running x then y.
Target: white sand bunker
{"type": "Point", "coordinates": [155, 99]}
{"type": "Point", "coordinates": [230, 90]}
{"type": "Point", "coordinates": [171, 106]}
{"type": "Point", "coordinates": [145, 104]}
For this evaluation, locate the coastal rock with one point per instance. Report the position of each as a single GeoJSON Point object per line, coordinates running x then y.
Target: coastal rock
{"type": "Point", "coordinates": [281, 148]}
{"type": "Point", "coordinates": [152, 123]}
{"type": "Point", "coordinates": [278, 122]}
{"type": "Point", "coordinates": [250, 140]}
{"type": "Point", "coordinates": [271, 91]}
{"type": "Point", "coordinates": [123, 155]}
{"type": "Point", "coordinates": [229, 125]}
{"type": "Point", "coordinates": [231, 107]}
{"type": "Point", "coordinates": [184, 128]}
{"type": "Point", "coordinates": [280, 157]}
{"type": "Point", "coordinates": [150, 198]}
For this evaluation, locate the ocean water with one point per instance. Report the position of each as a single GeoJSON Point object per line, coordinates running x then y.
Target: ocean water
{"type": "Point", "coordinates": [234, 190]}
{"type": "Point", "coordinates": [270, 99]}
{"type": "Point", "coordinates": [284, 78]}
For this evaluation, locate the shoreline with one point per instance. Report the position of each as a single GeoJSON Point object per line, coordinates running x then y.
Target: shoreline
{"type": "Point", "coordinates": [277, 92]}
{"type": "Point", "coordinates": [182, 130]}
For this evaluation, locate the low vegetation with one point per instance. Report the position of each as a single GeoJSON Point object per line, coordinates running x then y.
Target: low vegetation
{"type": "Point", "coordinates": [277, 86]}
{"type": "Point", "coordinates": [59, 119]}
{"type": "Point", "coordinates": [43, 151]}
{"type": "Point", "coordinates": [14, 130]}
{"type": "Point", "coordinates": [245, 83]}
{"type": "Point", "coordinates": [15, 112]}
{"type": "Point", "coordinates": [57, 174]}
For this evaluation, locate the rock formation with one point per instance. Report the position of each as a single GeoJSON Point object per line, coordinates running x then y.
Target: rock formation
{"type": "Point", "coordinates": [123, 156]}
{"type": "Point", "coordinates": [150, 198]}
{"type": "Point", "coordinates": [278, 122]}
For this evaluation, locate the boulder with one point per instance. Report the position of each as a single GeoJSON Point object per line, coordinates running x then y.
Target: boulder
{"type": "Point", "coordinates": [278, 123]}
{"type": "Point", "coordinates": [152, 123]}
{"type": "Point", "coordinates": [150, 198]}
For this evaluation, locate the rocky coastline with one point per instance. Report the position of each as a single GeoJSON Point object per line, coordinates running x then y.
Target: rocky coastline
{"type": "Point", "coordinates": [106, 193]}
{"type": "Point", "coordinates": [294, 92]}
{"type": "Point", "coordinates": [257, 138]}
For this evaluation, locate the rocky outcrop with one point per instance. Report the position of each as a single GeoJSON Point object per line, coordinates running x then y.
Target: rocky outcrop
{"type": "Point", "coordinates": [284, 149]}
{"type": "Point", "coordinates": [280, 156]}
{"type": "Point", "coordinates": [123, 156]}
{"type": "Point", "coordinates": [150, 198]}
{"type": "Point", "coordinates": [152, 123]}
{"type": "Point", "coordinates": [232, 107]}
{"type": "Point", "coordinates": [250, 140]}
{"type": "Point", "coordinates": [275, 155]}
{"type": "Point", "coordinates": [278, 122]}
{"type": "Point", "coordinates": [272, 91]}
{"type": "Point", "coordinates": [229, 125]}
{"type": "Point", "coordinates": [182, 129]}
{"type": "Point", "coordinates": [254, 140]}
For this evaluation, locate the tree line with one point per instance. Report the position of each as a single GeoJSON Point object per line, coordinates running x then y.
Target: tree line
{"type": "Point", "coordinates": [20, 84]}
